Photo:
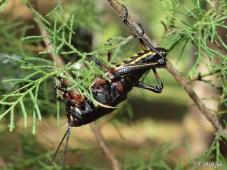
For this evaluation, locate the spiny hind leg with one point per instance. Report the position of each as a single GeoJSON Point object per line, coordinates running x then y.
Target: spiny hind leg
{"type": "Point", "coordinates": [153, 88]}
{"type": "Point", "coordinates": [125, 20]}
{"type": "Point", "coordinates": [160, 59]}
{"type": "Point", "coordinates": [158, 78]}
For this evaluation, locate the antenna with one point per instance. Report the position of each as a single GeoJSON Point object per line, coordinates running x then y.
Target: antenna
{"type": "Point", "coordinates": [67, 134]}
{"type": "Point", "coordinates": [66, 145]}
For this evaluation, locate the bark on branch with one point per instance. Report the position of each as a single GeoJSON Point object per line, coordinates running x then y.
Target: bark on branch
{"type": "Point", "coordinates": [102, 144]}
{"type": "Point", "coordinates": [136, 30]}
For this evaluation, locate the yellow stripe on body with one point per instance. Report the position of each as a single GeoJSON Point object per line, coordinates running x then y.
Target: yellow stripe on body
{"type": "Point", "coordinates": [142, 57]}
{"type": "Point", "coordinates": [136, 58]}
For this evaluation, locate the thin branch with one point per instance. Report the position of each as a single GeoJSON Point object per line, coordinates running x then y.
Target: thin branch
{"type": "Point", "coordinates": [188, 88]}
{"type": "Point", "coordinates": [57, 59]}
{"type": "Point", "coordinates": [102, 143]}
{"type": "Point", "coordinates": [136, 30]}
{"type": "Point", "coordinates": [201, 76]}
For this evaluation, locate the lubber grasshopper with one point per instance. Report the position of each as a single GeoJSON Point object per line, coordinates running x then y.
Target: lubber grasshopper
{"type": "Point", "coordinates": [112, 90]}
{"type": "Point", "coordinates": [121, 79]}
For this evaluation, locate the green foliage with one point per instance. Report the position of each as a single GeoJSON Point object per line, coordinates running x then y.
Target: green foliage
{"type": "Point", "coordinates": [27, 86]}
{"type": "Point", "coordinates": [199, 26]}
{"type": "Point", "coordinates": [214, 154]}
{"type": "Point", "coordinates": [36, 70]}
{"type": "Point", "coordinates": [2, 4]}
{"type": "Point", "coordinates": [156, 161]}
{"type": "Point", "coordinates": [29, 89]}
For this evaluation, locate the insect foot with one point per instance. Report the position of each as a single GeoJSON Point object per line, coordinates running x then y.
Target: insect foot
{"type": "Point", "coordinates": [158, 89]}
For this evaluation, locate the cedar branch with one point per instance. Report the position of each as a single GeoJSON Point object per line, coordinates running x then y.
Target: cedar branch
{"type": "Point", "coordinates": [136, 30]}
{"type": "Point", "coordinates": [102, 144]}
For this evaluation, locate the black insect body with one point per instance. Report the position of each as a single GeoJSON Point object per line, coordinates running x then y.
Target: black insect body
{"type": "Point", "coordinates": [114, 89]}
{"type": "Point", "coordinates": [123, 78]}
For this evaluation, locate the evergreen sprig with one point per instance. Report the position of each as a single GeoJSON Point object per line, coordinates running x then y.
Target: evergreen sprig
{"type": "Point", "coordinates": [199, 26]}
{"type": "Point", "coordinates": [26, 85]}
{"type": "Point", "coordinates": [37, 70]}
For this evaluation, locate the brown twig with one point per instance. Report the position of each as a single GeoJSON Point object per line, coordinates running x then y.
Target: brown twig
{"type": "Point", "coordinates": [101, 141]}
{"type": "Point", "coordinates": [136, 30]}
{"type": "Point", "coordinates": [57, 59]}
{"type": "Point", "coordinates": [106, 150]}
{"type": "Point", "coordinates": [188, 88]}
{"type": "Point", "coordinates": [201, 76]}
